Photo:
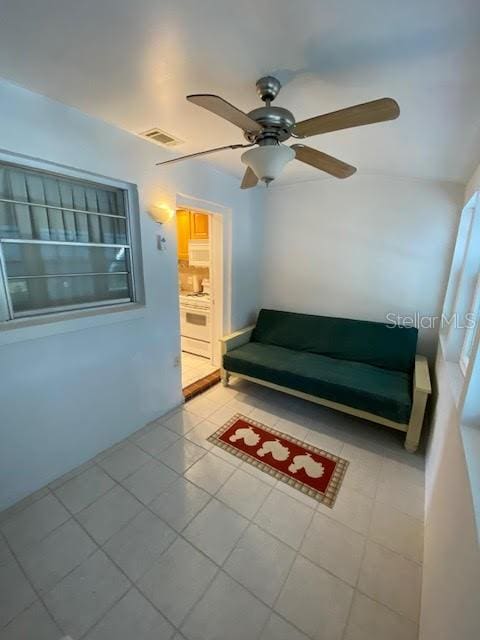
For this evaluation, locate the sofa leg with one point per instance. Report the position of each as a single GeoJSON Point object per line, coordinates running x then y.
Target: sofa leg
{"type": "Point", "coordinates": [416, 421]}
{"type": "Point", "coordinates": [411, 447]}
{"type": "Point", "coordinates": [224, 377]}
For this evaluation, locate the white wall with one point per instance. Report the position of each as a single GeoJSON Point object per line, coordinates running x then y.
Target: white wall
{"type": "Point", "coordinates": [451, 571]}
{"type": "Point", "coordinates": [473, 184]}
{"type": "Point", "coordinates": [65, 397]}
{"type": "Point", "coordinates": [361, 247]}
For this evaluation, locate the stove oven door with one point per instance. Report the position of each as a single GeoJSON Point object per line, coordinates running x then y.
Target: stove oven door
{"type": "Point", "coordinates": [195, 323]}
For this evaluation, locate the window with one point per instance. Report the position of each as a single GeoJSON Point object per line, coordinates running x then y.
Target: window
{"type": "Point", "coordinates": [473, 317]}
{"type": "Point", "coordinates": [462, 301]}
{"type": "Point", "coordinates": [64, 244]}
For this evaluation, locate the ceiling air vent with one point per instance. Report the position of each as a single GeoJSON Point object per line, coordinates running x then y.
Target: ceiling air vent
{"type": "Point", "coordinates": [161, 137]}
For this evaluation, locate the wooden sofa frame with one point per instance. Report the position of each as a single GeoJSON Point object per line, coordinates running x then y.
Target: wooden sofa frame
{"type": "Point", "coordinates": [421, 391]}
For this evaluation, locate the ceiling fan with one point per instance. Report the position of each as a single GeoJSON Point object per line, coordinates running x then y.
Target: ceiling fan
{"type": "Point", "coordinates": [267, 127]}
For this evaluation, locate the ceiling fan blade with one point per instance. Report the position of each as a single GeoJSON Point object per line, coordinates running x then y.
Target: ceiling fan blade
{"type": "Point", "coordinates": [322, 161]}
{"type": "Point", "coordinates": [366, 113]}
{"type": "Point", "coordinates": [249, 179]}
{"type": "Point", "coordinates": [204, 153]}
{"type": "Point", "coordinates": [224, 109]}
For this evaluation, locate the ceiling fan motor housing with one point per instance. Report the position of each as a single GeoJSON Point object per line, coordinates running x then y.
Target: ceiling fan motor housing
{"type": "Point", "coordinates": [277, 124]}
{"type": "Point", "coordinates": [268, 88]}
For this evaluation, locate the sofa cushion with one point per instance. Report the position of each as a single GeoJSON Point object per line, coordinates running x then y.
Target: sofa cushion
{"type": "Point", "coordinates": [372, 343]}
{"type": "Point", "coordinates": [380, 391]}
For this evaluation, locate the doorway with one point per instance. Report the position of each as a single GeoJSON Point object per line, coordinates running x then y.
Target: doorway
{"type": "Point", "coordinates": [200, 279]}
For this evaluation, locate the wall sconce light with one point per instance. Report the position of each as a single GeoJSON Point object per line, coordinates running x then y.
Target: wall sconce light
{"type": "Point", "coordinates": [161, 213]}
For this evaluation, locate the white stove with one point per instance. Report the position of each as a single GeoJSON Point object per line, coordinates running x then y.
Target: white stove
{"type": "Point", "coordinates": [195, 300]}
{"type": "Point", "coordinates": [195, 323]}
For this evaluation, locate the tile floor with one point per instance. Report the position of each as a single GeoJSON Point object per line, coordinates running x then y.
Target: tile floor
{"type": "Point", "coordinates": [166, 536]}
{"type": "Point", "coordinates": [194, 367]}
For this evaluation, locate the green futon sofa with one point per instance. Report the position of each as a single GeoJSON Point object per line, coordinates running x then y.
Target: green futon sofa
{"type": "Point", "coordinates": [367, 369]}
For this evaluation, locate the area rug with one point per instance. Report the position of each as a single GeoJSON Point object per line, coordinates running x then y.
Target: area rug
{"type": "Point", "coordinates": [314, 472]}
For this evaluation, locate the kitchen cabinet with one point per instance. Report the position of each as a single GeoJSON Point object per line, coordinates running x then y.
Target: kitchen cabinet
{"type": "Point", "coordinates": [190, 226]}
{"type": "Point", "coordinates": [183, 233]}
{"type": "Point", "coordinates": [198, 226]}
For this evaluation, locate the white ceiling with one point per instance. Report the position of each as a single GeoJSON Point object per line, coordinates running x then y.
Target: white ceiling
{"type": "Point", "coordinates": [132, 63]}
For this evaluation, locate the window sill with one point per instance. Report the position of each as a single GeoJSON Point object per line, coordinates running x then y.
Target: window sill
{"type": "Point", "coordinates": [54, 324]}
{"type": "Point", "coordinates": [470, 435]}
{"type": "Point", "coordinates": [471, 447]}
{"type": "Point", "coordinates": [455, 374]}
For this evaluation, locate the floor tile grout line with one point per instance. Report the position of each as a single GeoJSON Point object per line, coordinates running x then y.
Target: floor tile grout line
{"type": "Point", "coordinates": [92, 626]}
{"type": "Point", "coordinates": [157, 459]}
{"type": "Point", "coordinates": [119, 481]}
{"type": "Point", "coordinates": [190, 609]}
{"type": "Point", "coordinates": [90, 503]}
{"type": "Point", "coordinates": [100, 548]}
{"type": "Point", "coordinates": [297, 553]}
{"type": "Point", "coordinates": [271, 487]}
{"type": "Point", "coordinates": [166, 447]}
{"type": "Point", "coordinates": [89, 555]}
{"type": "Point", "coordinates": [178, 535]}
{"type": "Point", "coordinates": [219, 567]}
{"type": "Point", "coordinates": [180, 475]}
{"type": "Point", "coordinates": [386, 606]}
{"type": "Point", "coordinates": [93, 461]}
{"type": "Point", "coordinates": [405, 513]}
{"type": "Point", "coordinates": [6, 518]}
{"type": "Point", "coordinates": [369, 536]}
{"type": "Point", "coordinates": [70, 475]}
{"type": "Point", "coordinates": [15, 509]}
{"type": "Point", "coordinates": [250, 520]}
{"type": "Point", "coordinates": [266, 530]}
{"type": "Point", "coordinates": [189, 466]}
{"type": "Point", "coordinates": [133, 583]}
{"type": "Point", "coordinates": [292, 624]}
{"type": "Point", "coordinates": [37, 592]}
{"type": "Point", "coordinates": [355, 588]}
{"type": "Point", "coordinates": [84, 466]}
{"type": "Point", "coordinates": [28, 546]}
{"type": "Point", "coordinates": [214, 495]}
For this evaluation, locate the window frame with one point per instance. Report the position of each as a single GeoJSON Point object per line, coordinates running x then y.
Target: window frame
{"type": "Point", "coordinates": [461, 290]}
{"type": "Point", "coordinates": [129, 195]}
{"type": "Point", "coordinates": [470, 331]}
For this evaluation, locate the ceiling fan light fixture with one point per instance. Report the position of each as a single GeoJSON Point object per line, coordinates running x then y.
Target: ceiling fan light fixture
{"type": "Point", "coordinates": [269, 126]}
{"type": "Point", "coordinates": [267, 162]}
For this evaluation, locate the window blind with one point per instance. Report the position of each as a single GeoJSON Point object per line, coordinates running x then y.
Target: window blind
{"type": "Point", "coordinates": [64, 243]}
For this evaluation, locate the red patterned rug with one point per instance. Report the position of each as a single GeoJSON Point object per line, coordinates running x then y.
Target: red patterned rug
{"type": "Point", "coordinates": [312, 471]}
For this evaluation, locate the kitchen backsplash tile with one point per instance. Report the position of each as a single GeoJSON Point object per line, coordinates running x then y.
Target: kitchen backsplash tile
{"type": "Point", "coordinates": [186, 273]}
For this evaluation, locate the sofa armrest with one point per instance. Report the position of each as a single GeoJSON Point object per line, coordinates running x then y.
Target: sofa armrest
{"type": "Point", "coordinates": [236, 339]}
{"type": "Point", "coordinates": [421, 391]}
{"type": "Point", "coordinates": [421, 376]}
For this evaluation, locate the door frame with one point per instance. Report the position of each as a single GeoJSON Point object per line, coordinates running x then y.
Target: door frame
{"type": "Point", "coordinates": [220, 237]}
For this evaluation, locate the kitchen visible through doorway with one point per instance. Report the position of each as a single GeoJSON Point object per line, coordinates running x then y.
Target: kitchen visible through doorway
{"type": "Point", "coordinates": [198, 283]}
